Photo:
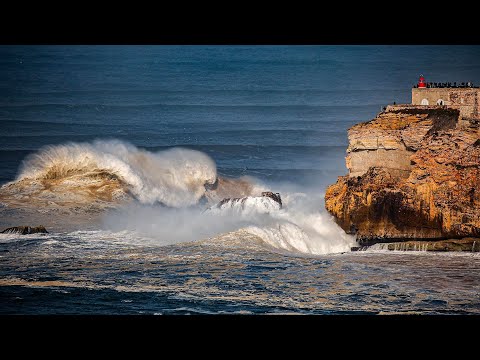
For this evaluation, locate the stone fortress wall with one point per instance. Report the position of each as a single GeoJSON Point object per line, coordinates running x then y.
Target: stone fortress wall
{"type": "Point", "coordinates": [467, 99]}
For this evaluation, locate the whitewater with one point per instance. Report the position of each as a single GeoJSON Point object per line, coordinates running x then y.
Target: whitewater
{"type": "Point", "coordinates": [170, 195]}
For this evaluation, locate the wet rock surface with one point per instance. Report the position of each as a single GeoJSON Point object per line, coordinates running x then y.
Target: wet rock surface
{"type": "Point", "coordinates": [24, 230]}
{"type": "Point", "coordinates": [466, 244]}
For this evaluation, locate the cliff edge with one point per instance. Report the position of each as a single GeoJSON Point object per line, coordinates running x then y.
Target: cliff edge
{"type": "Point", "coordinates": [414, 173]}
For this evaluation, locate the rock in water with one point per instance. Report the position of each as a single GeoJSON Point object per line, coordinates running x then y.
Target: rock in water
{"type": "Point", "coordinates": [466, 244]}
{"type": "Point", "coordinates": [23, 230]}
{"type": "Point", "coordinates": [269, 201]}
{"type": "Point", "coordinates": [228, 188]}
{"type": "Point", "coordinates": [274, 196]}
{"type": "Point", "coordinates": [413, 174]}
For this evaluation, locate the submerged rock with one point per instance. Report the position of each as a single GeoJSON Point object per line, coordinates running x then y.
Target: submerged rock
{"type": "Point", "coordinates": [228, 188]}
{"type": "Point", "coordinates": [274, 196]}
{"type": "Point", "coordinates": [23, 230]}
{"type": "Point", "coordinates": [413, 174]}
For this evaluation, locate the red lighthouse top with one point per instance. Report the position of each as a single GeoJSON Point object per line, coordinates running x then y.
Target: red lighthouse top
{"type": "Point", "coordinates": [421, 82]}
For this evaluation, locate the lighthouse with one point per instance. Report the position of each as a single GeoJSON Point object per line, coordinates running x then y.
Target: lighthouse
{"type": "Point", "coordinates": [421, 82]}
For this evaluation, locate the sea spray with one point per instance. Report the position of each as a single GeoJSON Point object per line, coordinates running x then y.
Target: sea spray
{"type": "Point", "coordinates": [294, 228]}
{"type": "Point", "coordinates": [301, 227]}
{"type": "Point", "coordinates": [168, 187]}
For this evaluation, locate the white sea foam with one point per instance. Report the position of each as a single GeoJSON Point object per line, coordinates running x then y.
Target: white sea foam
{"type": "Point", "coordinates": [298, 227]}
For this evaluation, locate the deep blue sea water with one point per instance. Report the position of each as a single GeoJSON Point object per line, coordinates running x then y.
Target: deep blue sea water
{"type": "Point", "coordinates": [270, 111]}
{"type": "Point", "coordinates": [277, 113]}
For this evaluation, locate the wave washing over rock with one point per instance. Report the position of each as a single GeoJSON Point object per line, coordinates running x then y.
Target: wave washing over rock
{"type": "Point", "coordinates": [296, 227]}
{"type": "Point", "coordinates": [169, 188]}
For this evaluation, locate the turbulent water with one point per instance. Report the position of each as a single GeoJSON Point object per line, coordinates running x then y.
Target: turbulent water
{"type": "Point", "coordinates": [147, 166]}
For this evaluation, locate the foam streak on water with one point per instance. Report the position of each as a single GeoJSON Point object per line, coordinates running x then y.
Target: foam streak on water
{"type": "Point", "coordinates": [91, 272]}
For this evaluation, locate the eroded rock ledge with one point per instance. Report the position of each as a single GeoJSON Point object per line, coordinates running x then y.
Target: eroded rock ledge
{"type": "Point", "coordinates": [24, 230]}
{"type": "Point", "coordinates": [413, 174]}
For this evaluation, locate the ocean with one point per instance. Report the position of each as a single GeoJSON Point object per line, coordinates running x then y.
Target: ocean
{"type": "Point", "coordinates": [124, 152]}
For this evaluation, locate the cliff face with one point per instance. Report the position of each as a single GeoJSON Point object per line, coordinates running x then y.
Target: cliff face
{"type": "Point", "coordinates": [413, 174]}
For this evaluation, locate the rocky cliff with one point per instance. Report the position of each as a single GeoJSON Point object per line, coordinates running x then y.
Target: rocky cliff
{"type": "Point", "coordinates": [413, 174]}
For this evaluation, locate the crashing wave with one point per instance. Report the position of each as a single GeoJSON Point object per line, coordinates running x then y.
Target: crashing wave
{"type": "Point", "coordinates": [87, 178]}
{"type": "Point", "coordinates": [291, 237]}
{"type": "Point", "coordinates": [293, 228]}
{"type": "Point", "coordinates": [113, 170]}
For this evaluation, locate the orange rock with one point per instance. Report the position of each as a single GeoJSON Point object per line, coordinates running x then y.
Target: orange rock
{"type": "Point", "coordinates": [421, 182]}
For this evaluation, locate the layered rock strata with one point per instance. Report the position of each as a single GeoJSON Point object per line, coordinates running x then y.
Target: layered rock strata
{"type": "Point", "coordinates": [413, 174]}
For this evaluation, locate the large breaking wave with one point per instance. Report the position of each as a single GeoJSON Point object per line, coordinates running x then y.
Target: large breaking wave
{"type": "Point", "coordinates": [136, 181]}
{"type": "Point", "coordinates": [174, 177]}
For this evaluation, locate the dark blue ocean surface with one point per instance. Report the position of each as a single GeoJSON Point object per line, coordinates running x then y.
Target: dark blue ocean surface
{"type": "Point", "coordinates": [278, 114]}
{"type": "Point", "coordinates": [267, 111]}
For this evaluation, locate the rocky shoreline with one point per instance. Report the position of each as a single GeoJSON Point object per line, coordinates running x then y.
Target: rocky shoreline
{"type": "Point", "coordinates": [414, 175]}
{"type": "Point", "coordinates": [466, 244]}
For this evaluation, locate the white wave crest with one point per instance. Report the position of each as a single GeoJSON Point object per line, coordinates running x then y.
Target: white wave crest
{"type": "Point", "coordinates": [174, 177]}
{"type": "Point", "coordinates": [314, 234]}
{"type": "Point", "coordinates": [286, 236]}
